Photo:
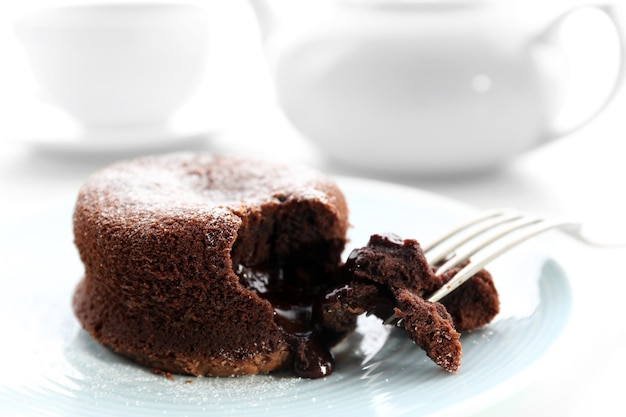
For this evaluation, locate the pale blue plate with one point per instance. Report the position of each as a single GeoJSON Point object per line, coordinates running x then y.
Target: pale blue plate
{"type": "Point", "coordinates": [53, 368]}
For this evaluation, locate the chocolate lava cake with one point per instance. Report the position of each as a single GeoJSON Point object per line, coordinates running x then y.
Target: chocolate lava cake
{"type": "Point", "coordinates": [219, 266]}
{"type": "Point", "coordinates": [207, 265]}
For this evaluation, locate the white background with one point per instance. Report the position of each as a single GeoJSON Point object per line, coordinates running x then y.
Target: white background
{"type": "Point", "coordinates": [581, 175]}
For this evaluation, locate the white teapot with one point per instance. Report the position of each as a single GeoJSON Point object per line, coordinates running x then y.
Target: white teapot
{"type": "Point", "coordinates": [415, 86]}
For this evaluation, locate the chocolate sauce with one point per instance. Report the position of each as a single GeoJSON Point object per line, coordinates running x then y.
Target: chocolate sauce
{"type": "Point", "coordinates": [293, 312]}
{"type": "Point", "coordinates": [312, 358]}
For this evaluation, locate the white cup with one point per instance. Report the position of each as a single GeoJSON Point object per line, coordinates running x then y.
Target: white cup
{"type": "Point", "coordinates": [117, 66]}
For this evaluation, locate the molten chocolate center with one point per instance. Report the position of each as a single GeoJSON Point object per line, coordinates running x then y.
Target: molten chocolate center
{"type": "Point", "coordinates": [294, 305]}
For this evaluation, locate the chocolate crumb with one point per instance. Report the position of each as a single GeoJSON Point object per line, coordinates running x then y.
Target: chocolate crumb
{"type": "Point", "coordinates": [161, 372]}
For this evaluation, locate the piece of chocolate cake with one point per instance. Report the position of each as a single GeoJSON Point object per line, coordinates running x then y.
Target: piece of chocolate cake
{"type": "Point", "coordinates": [209, 265]}
{"type": "Point", "coordinates": [390, 278]}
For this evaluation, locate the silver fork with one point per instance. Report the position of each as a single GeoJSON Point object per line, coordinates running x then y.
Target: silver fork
{"type": "Point", "coordinates": [503, 229]}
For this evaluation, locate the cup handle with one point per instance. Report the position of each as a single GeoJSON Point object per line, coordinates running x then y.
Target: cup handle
{"type": "Point", "coordinates": [555, 132]}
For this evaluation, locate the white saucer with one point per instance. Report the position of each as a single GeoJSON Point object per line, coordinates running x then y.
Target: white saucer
{"type": "Point", "coordinates": [80, 142]}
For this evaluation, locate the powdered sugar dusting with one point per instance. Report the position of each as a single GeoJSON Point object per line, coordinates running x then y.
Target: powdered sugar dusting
{"type": "Point", "coordinates": [198, 184]}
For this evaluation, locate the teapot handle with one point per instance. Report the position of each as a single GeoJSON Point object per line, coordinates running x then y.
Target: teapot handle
{"type": "Point", "coordinates": [554, 131]}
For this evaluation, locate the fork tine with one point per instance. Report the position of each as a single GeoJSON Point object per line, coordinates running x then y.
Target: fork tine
{"type": "Point", "coordinates": [472, 268]}
{"type": "Point", "coordinates": [461, 257]}
{"type": "Point", "coordinates": [481, 217]}
{"type": "Point", "coordinates": [489, 219]}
